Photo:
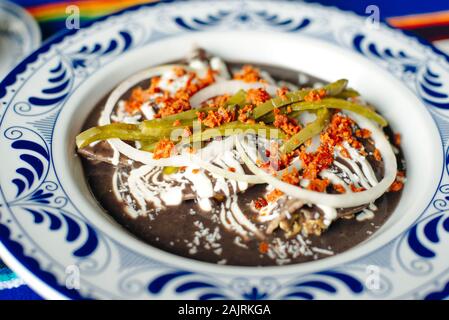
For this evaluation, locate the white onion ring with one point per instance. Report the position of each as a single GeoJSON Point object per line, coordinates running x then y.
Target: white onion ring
{"type": "Point", "coordinates": [226, 87]}
{"type": "Point", "coordinates": [337, 200]}
{"type": "Point", "coordinates": [249, 178]}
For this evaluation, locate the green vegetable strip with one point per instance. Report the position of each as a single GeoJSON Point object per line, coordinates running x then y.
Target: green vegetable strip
{"type": "Point", "coordinates": [186, 115]}
{"type": "Point", "coordinates": [333, 103]}
{"type": "Point", "coordinates": [237, 127]}
{"type": "Point", "coordinates": [238, 99]}
{"type": "Point", "coordinates": [148, 145]}
{"type": "Point", "coordinates": [150, 131]}
{"type": "Point", "coordinates": [269, 117]}
{"type": "Point", "coordinates": [145, 131]}
{"type": "Point", "coordinates": [309, 131]}
{"type": "Point", "coordinates": [170, 170]}
{"type": "Point", "coordinates": [162, 127]}
{"type": "Point", "coordinates": [332, 89]}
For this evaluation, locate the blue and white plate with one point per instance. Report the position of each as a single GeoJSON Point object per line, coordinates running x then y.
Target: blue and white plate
{"type": "Point", "coordinates": [53, 232]}
{"type": "Point", "coordinates": [19, 36]}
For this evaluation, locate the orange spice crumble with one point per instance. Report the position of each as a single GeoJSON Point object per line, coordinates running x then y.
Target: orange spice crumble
{"type": "Point", "coordinates": [263, 247]}
{"type": "Point", "coordinates": [257, 96]}
{"type": "Point", "coordinates": [397, 139]}
{"type": "Point", "coordinates": [282, 93]}
{"type": "Point", "coordinates": [260, 202]}
{"type": "Point", "coordinates": [289, 125]}
{"type": "Point", "coordinates": [245, 113]}
{"type": "Point", "coordinates": [363, 133]}
{"type": "Point", "coordinates": [318, 185]}
{"type": "Point", "coordinates": [291, 177]}
{"type": "Point", "coordinates": [377, 155]}
{"type": "Point", "coordinates": [339, 188]}
{"type": "Point", "coordinates": [249, 74]}
{"type": "Point", "coordinates": [171, 103]}
{"type": "Point", "coordinates": [215, 118]}
{"type": "Point", "coordinates": [274, 195]}
{"type": "Point", "coordinates": [357, 189]}
{"type": "Point", "coordinates": [315, 95]}
{"type": "Point", "coordinates": [398, 184]}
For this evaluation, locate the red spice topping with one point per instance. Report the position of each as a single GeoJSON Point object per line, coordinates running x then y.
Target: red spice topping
{"type": "Point", "coordinates": [138, 97]}
{"type": "Point", "coordinates": [397, 139]}
{"type": "Point", "coordinates": [340, 129]}
{"type": "Point", "coordinates": [245, 112]}
{"type": "Point", "coordinates": [267, 153]}
{"type": "Point", "coordinates": [257, 96]}
{"type": "Point", "coordinates": [176, 123]}
{"type": "Point", "coordinates": [363, 133]}
{"type": "Point", "coordinates": [315, 162]}
{"type": "Point", "coordinates": [356, 189]}
{"type": "Point", "coordinates": [339, 188]}
{"type": "Point", "coordinates": [315, 95]}
{"type": "Point", "coordinates": [219, 101]}
{"type": "Point", "coordinates": [288, 125]}
{"type": "Point", "coordinates": [231, 169]}
{"type": "Point", "coordinates": [377, 155]}
{"type": "Point", "coordinates": [274, 195]}
{"type": "Point", "coordinates": [187, 132]}
{"type": "Point", "coordinates": [282, 93]}
{"type": "Point", "coordinates": [179, 71]}
{"type": "Point", "coordinates": [179, 102]}
{"type": "Point", "coordinates": [291, 177]}
{"type": "Point", "coordinates": [163, 149]}
{"type": "Point", "coordinates": [319, 185]}
{"type": "Point", "coordinates": [344, 152]}
{"type": "Point", "coordinates": [396, 186]}
{"type": "Point", "coordinates": [260, 202]}
{"type": "Point", "coordinates": [263, 247]}
{"type": "Point", "coordinates": [217, 117]}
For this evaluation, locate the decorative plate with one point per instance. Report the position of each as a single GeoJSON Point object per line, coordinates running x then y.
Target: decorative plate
{"type": "Point", "coordinates": [19, 36]}
{"type": "Point", "coordinates": [54, 234]}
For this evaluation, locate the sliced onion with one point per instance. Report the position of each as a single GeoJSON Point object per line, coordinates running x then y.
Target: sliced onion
{"type": "Point", "coordinates": [209, 153]}
{"type": "Point", "coordinates": [226, 87]}
{"type": "Point", "coordinates": [336, 200]}
{"type": "Point", "coordinates": [144, 157]}
{"type": "Point", "coordinates": [249, 178]}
